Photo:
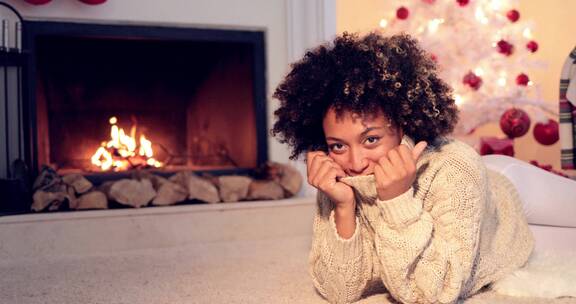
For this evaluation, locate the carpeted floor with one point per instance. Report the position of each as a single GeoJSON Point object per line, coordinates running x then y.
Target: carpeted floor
{"type": "Point", "coordinates": [257, 271]}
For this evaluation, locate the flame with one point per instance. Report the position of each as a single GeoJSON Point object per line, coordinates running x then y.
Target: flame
{"type": "Point", "coordinates": [122, 152]}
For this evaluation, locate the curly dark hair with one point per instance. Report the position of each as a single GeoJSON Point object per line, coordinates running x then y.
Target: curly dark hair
{"type": "Point", "coordinates": [363, 75]}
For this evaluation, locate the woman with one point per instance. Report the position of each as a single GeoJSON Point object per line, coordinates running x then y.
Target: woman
{"type": "Point", "coordinates": [426, 221]}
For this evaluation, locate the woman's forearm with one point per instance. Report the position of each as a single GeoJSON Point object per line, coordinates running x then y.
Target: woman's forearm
{"type": "Point", "coordinates": [345, 218]}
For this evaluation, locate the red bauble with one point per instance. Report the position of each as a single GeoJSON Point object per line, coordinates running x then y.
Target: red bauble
{"type": "Point", "coordinates": [92, 2]}
{"type": "Point", "coordinates": [522, 79]}
{"type": "Point", "coordinates": [514, 122]}
{"type": "Point", "coordinates": [513, 15]}
{"type": "Point", "coordinates": [494, 145]}
{"type": "Point", "coordinates": [504, 47]}
{"type": "Point", "coordinates": [546, 133]}
{"type": "Point", "coordinates": [37, 2]}
{"type": "Point", "coordinates": [463, 2]}
{"type": "Point", "coordinates": [532, 46]}
{"type": "Point", "coordinates": [434, 57]}
{"type": "Point", "coordinates": [402, 13]}
{"type": "Point", "coordinates": [471, 79]}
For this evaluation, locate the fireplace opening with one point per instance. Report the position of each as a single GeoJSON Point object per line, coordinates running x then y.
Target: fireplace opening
{"type": "Point", "coordinates": [194, 101]}
{"type": "Point", "coordinates": [117, 98]}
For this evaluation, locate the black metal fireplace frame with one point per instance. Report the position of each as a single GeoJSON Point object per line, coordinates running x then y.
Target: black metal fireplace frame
{"type": "Point", "coordinates": [34, 29]}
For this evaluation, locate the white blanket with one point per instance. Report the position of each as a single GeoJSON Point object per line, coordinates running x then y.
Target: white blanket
{"type": "Point", "coordinates": [546, 275]}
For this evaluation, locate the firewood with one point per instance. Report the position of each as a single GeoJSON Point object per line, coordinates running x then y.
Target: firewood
{"type": "Point", "coordinates": [265, 190]}
{"type": "Point", "coordinates": [78, 182]}
{"type": "Point", "coordinates": [233, 188]}
{"type": "Point", "coordinates": [198, 187]}
{"type": "Point", "coordinates": [132, 192]}
{"type": "Point", "coordinates": [287, 176]}
{"type": "Point", "coordinates": [51, 200]}
{"type": "Point", "coordinates": [92, 200]}
{"type": "Point", "coordinates": [169, 193]}
{"type": "Point", "coordinates": [72, 199]}
{"type": "Point", "coordinates": [48, 180]}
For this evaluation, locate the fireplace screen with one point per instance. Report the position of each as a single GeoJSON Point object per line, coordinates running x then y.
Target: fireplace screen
{"type": "Point", "coordinates": [116, 103]}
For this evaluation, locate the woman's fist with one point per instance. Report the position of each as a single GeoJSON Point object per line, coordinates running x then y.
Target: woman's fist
{"type": "Point", "coordinates": [395, 172]}
{"type": "Point", "coordinates": [324, 175]}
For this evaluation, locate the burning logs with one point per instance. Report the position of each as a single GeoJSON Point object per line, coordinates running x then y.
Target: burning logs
{"type": "Point", "coordinates": [74, 191]}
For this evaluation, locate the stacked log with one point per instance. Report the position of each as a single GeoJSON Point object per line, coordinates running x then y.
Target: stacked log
{"type": "Point", "coordinates": [73, 191]}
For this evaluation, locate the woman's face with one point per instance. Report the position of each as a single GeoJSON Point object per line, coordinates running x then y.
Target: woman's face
{"type": "Point", "coordinates": [356, 143]}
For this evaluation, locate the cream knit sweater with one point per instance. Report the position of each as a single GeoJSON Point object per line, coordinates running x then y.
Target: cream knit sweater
{"type": "Point", "coordinates": [459, 228]}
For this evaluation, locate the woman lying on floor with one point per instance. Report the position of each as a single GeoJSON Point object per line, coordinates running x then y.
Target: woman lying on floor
{"type": "Point", "coordinates": [400, 206]}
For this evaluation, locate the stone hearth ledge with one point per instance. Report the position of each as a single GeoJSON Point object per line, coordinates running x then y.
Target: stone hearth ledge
{"type": "Point", "coordinates": [79, 233]}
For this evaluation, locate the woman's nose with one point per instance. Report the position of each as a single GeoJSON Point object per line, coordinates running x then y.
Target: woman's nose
{"type": "Point", "coordinates": [358, 162]}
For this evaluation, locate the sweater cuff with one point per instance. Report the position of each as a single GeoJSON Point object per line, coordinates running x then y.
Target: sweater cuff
{"type": "Point", "coordinates": [401, 210]}
{"type": "Point", "coordinates": [344, 250]}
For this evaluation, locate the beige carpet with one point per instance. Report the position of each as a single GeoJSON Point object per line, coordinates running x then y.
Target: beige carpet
{"type": "Point", "coordinates": [261, 271]}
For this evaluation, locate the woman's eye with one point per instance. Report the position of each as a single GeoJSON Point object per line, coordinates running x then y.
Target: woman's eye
{"type": "Point", "coordinates": [336, 147]}
{"type": "Point", "coordinates": [372, 140]}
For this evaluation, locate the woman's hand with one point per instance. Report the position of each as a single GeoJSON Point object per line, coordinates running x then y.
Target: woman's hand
{"type": "Point", "coordinates": [395, 172]}
{"type": "Point", "coordinates": [323, 174]}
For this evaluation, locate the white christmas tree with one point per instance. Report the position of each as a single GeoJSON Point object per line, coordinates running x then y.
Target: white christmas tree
{"type": "Point", "coordinates": [483, 50]}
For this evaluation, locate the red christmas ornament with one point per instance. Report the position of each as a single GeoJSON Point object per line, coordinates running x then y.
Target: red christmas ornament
{"type": "Point", "coordinates": [514, 122]}
{"type": "Point", "coordinates": [532, 46]}
{"type": "Point", "coordinates": [504, 47]}
{"type": "Point", "coordinates": [494, 145]}
{"type": "Point", "coordinates": [522, 79]}
{"type": "Point", "coordinates": [474, 81]}
{"type": "Point", "coordinates": [92, 2]}
{"type": "Point", "coordinates": [546, 133]}
{"type": "Point", "coordinates": [463, 2]}
{"type": "Point", "coordinates": [434, 57]}
{"type": "Point", "coordinates": [513, 15]}
{"type": "Point", "coordinates": [402, 13]}
{"type": "Point", "coordinates": [37, 2]}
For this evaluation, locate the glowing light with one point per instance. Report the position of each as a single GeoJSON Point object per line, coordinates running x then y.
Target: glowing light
{"type": "Point", "coordinates": [383, 23]}
{"type": "Point", "coordinates": [433, 25]}
{"type": "Point", "coordinates": [459, 100]}
{"type": "Point", "coordinates": [479, 72]}
{"type": "Point", "coordinates": [527, 33]}
{"type": "Point", "coordinates": [502, 81]}
{"type": "Point", "coordinates": [496, 5]}
{"type": "Point", "coordinates": [480, 16]}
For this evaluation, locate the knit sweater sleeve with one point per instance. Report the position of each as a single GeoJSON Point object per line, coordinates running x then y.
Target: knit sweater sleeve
{"type": "Point", "coordinates": [428, 257]}
{"type": "Point", "coordinates": [340, 268]}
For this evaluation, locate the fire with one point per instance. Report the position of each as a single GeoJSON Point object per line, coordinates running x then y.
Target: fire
{"type": "Point", "coordinates": [122, 151]}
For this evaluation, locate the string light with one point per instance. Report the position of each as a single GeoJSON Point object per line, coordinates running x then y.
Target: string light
{"type": "Point", "coordinates": [383, 23]}
{"type": "Point", "coordinates": [527, 33]}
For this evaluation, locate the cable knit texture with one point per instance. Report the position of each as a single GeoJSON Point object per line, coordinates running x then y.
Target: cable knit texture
{"type": "Point", "coordinates": [457, 229]}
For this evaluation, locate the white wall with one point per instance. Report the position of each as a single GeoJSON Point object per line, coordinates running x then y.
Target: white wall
{"type": "Point", "coordinates": [290, 27]}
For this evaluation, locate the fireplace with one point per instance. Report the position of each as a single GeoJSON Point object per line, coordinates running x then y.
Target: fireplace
{"type": "Point", "coordinates": [138, 115]}
{"type": "Point", "coordinates": [196, 95]}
